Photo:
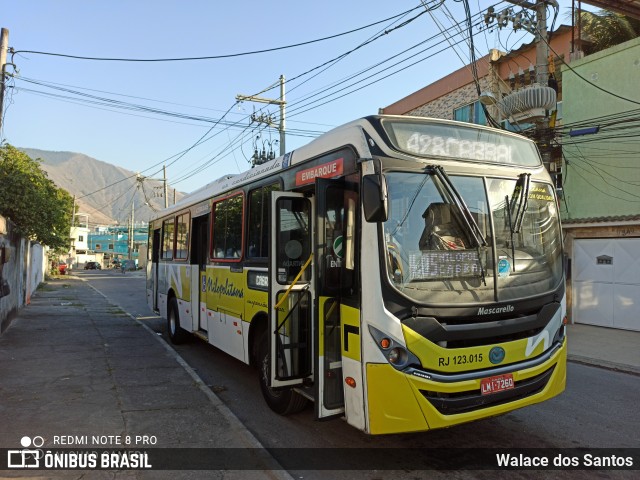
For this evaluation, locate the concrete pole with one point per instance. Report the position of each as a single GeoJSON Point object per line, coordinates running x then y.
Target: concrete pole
{"type": "Point", "coordinates": [281, 102]}
{"type": "Point", "coordinates": [542, 48]}
{"type": "Point", "coordinates": [72, 240]}
{"type": "Point", "coordinates": [542, 77]}
{"type": "Point", "coordinates": [4, 45]}
{"type": "Point", "coordinates": [130, 242]}
{"type": "Point", "coordinates": [164, 176]}
{"type": "Point", "coordinates": [283, 149]}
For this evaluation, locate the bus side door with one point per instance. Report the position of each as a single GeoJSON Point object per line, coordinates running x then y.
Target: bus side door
{"type": "Point", "coordinates": [291, 295]}
{"type": "Point", "coordinates": [152, 269]}
{"type": "Point", "coordinates": [199, 259]}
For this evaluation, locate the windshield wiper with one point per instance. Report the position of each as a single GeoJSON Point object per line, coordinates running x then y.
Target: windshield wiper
{"type": "Point", "coordinates": [469, 222]}
{"type": "Point", "coordinates": [521, 196]}
{"type": "Point", "coordinates": [521, 193]}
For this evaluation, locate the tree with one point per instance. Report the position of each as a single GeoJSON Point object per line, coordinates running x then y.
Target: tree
{"type": "Point", "coordinates": [39, 209]}
{"type": "Point", "coordinates": [605, 29]}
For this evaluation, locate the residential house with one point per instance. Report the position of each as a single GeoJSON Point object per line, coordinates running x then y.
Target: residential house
{"type": "Point", "coordinates": [601, 193]}
{"type": "Point", "coordinates": [79, 249]}
{"type": "Point", "coordinates": [113, 243]}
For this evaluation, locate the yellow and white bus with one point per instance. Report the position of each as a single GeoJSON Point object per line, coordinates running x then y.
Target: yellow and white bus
{"type": "Point", "coordinates": [403, 273]}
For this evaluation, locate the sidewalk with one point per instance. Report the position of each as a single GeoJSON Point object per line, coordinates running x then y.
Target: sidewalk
{"type": "Point", "coordinates": [72, 364]}
{"type": "Point", "coordinates": [604, 347]}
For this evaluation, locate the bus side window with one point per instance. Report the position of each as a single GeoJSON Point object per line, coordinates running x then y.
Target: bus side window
{"type": "Point", "coordinates": [227, 228]}
{"type": "Point", "coordinates": [258, 226]}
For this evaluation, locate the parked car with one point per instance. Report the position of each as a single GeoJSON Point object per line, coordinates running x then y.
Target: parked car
{"type": "Point", "coordinates": [130, 265]}
{"type": "Point", "coordinates": [62, 268]}
{"type": "Point", "coordinates": [92, 266]}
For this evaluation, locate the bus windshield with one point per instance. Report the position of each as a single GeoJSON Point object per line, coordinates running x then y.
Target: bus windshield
{"type": "Point", "coordinates": [433, 258]}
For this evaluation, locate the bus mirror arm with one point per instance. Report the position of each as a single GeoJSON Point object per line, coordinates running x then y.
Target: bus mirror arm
{"type": "Point", "coordinates": [374, 198]}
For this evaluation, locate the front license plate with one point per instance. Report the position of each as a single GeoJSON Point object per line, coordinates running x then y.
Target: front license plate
{"type": "Point", "coordinates": [496, 384]}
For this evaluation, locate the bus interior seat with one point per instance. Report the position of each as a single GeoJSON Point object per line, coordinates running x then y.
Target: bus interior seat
{"type": "Point", "coordinates": [441, 229]}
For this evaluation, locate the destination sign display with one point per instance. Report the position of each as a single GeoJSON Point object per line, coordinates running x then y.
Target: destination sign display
{"type": "Point", "coordinates": [441, 265]}
{"type": "Point", "coordinates": [425, 144]}
{"type": "Point", "coordinates": [461, 143]}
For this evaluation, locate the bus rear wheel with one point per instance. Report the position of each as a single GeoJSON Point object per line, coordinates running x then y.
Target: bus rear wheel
{"type": "Point", "coordinates": [177, 334]}
{"type": "Point", "coordinates": [282, 401]}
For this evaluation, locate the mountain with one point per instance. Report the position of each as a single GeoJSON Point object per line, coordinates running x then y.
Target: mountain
{"type": "Point", "coordinates": [103, 191]}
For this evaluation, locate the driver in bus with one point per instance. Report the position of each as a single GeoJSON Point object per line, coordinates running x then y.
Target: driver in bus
{"type": "Point", "coordinates": [441, 229]}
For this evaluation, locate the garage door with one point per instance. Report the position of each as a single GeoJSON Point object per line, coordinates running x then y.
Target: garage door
{"type": "Point", "coordinates": [606, 282]}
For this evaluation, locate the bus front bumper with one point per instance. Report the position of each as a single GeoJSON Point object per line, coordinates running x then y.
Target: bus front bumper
{"type": "Point", "coordinates": [405, 402]}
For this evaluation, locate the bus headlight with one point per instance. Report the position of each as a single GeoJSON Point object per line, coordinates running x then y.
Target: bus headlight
{"type": "Point", "coordinates": [396, 354]}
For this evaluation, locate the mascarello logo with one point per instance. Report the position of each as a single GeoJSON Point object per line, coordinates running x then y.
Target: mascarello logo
{"type": "Point", "coordinates": [28, 456]}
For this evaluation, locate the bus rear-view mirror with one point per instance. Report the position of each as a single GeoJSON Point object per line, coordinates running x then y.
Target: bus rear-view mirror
{"type": "Point", "coordinates": [374, 194]}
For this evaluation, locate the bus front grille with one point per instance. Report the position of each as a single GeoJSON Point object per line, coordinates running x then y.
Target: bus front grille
{"type": "Point", "coordinates": [469, 401]}
{"type": "Point", "coordinates": [461, 333]}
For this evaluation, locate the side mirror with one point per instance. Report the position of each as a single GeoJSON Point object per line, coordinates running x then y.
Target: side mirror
{"type": "Point", "coordinates": [374, 197]}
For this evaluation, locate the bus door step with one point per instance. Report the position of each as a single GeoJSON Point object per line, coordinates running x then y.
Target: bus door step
{"type": "Point", "coordinates": [201, 334]}
{"type": "Point", "coordinates": [306, 392]}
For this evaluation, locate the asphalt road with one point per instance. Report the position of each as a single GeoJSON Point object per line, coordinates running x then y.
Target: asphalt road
{"type": "Point", "coordinates": [597, 410]}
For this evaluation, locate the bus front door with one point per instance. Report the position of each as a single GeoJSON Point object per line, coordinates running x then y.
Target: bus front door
{"type": "Point", "coordinates": [335, 320]}
{"type": "Point", "coordinates": [291, 290]}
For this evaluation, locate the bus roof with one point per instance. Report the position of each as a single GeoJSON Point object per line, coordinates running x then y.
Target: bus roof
{"type": "Point", "coordinates": [347, 134]}
{"type": "Point", "coordinates": [351, 133]}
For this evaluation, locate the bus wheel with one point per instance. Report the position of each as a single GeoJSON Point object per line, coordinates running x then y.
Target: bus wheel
{"type": "Point", "coordinates": [177, 334]}
{"type": "Point", "coordinates": [285, 401]}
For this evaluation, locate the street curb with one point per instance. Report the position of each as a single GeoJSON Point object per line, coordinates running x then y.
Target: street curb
{"type": "Point", "coordinates": [604, 364]}
{"type": "Point", "coordinates": [245, 435]}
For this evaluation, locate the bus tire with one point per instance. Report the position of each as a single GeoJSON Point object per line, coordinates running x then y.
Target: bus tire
{"type": "Point", "coordinates": [285, 401]}
{"type": "Point", "coordinates": [177, 334]}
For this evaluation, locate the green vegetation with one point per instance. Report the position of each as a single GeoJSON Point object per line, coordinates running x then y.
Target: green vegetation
{"type": "Point", "coordinates": [39, 209]}
{"type": "Point", "coordinates": [606, 29]}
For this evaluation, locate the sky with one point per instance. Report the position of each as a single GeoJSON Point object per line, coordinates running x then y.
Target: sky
{"type": "Point", "coordinates": [66, 104]}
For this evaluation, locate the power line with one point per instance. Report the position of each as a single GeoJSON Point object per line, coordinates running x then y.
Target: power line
{"type": "Point", "coordinates": [327, 65]}
{"type": "Point", "coordinates": [190, 174]}
{"type": "Point", "coordinates": [291, 111]}
{"type": "Point", "coordinates": [233, 124]}
{"type": "Point", "coordinates": [104, 101]}
{"type": "Point", "coordinates": [212, 57]}
{"type": "Point", "coordinates": [199, 169]}
{"type": "Point", "coordinates": [588, 81]}
{"type": "Point", "coordinates": [577, 168]}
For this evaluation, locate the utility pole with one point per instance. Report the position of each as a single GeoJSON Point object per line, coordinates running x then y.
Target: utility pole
{"type": "Point", "coordinates": [281, 102]}
{"type": "Point", "coordinates": [542, 77]}
{"type": "Point", "coordinates": [130, 242]}
{"type": "Point", "coordinates": [72, 241]}
{"type": "Point", "coordinates": [4, 45]}
{"type": "Point", "coordinates": [164, 176]}
{"type": "Point", "coordinates": [538, 27]}
{"type": "Point", "coordinates": [73, 212]}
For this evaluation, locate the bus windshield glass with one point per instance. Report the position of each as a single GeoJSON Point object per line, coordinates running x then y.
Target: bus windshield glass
{"type": "Point", "coordinates": [462, 143]}
{"type": "Point", "coordinates": [431, 253]}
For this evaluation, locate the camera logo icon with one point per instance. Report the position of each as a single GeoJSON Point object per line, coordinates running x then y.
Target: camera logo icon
{"type": "Point", "coordinates": [26, 457]}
